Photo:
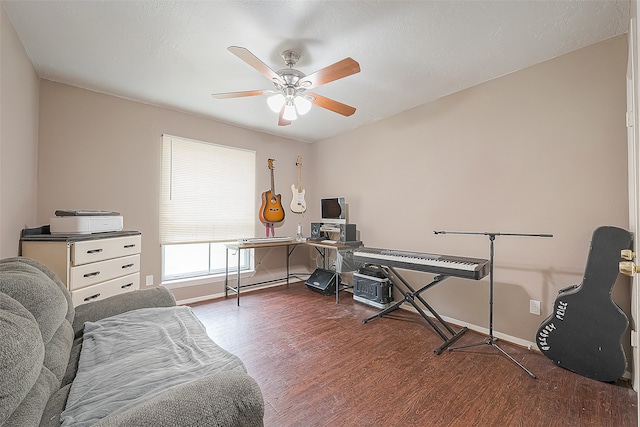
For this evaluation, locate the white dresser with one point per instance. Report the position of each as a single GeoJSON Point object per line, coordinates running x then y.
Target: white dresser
{"type": "Point", "coordinates": [94, 266]}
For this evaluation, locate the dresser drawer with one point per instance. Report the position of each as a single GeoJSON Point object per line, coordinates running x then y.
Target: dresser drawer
{"type": "Point", "coordinates": [106, 289]}
{"type": "Point", "coordinates": [84, 252]}
{"type": "Point", "coordinates": [89, 274]}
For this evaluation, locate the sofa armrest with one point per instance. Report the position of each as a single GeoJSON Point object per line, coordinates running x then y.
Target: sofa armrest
{"type": "Point", "coordinates": [229, 399]}
{"type": "Point", "coordinates": [117, 304]}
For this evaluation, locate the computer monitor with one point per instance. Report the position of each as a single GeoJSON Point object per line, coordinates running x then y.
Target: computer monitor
{"type": "Point", "coordinates": [334, 211]}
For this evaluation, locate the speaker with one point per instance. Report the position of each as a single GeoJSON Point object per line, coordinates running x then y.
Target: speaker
{"type": "Point", "coordinates": [347, 232]}
{"type": "Point", "coordinates": [315, 230]}
{"type": "Point", "coordinates": [322, 281]}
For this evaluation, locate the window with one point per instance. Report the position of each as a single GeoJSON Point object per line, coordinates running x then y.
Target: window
{"type": "Point", "coordinates": [191, 260]}
{"type": "Point", "coordinates": [207, 198]}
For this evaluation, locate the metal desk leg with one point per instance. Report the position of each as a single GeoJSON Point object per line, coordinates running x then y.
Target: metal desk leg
{"type": "Point", "coordinates": [226, 273]}
{"type": "Point", "coordinates": [238, 273]}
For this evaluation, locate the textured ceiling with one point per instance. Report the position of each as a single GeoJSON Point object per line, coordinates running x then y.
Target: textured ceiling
{"type": "Point", "coordinates": [174, 53]}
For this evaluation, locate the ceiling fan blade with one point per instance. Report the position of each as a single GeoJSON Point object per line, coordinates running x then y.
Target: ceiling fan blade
{"type": "Point", "coordinates": [253, 60]}
{"type": "Point", "coordinates": [281, 120]}
{"type": "Point", "coordinates": [241, 94]}
{"type": "Point", "coordinates": [340, 69]}
{"type": "Point", "coordinates": [330, 104]}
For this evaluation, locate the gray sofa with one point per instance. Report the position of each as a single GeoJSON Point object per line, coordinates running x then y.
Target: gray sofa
{"type": "Point", "coordinates": [41, 336]}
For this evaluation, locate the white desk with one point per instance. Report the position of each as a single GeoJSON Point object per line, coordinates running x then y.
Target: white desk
{"type": "Point", "coordinates": [290, 247]}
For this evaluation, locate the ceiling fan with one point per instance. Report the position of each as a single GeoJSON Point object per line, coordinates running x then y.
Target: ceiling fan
{"type": "Point", "coordinates": [290, 97]}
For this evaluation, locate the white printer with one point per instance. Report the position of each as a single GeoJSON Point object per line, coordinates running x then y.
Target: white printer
{"type": "Point", "coordinates": [85, 222]}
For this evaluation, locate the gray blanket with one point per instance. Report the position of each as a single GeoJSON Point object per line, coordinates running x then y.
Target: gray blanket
{"type": "Point", "coordinates": [133, 357]}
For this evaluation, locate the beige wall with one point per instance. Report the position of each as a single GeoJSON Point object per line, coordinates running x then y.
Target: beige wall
{"type": "Point", "coordinates": [542, 150]}
{"type": "Point", "coordinates": [103, 152]}
{"type": "Point", "coordinates": [18, 138]}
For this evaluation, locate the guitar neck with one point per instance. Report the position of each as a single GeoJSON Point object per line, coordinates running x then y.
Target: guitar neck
{"type": "Point", "coordinates": [273, 186]}
{"type": "Point", "coordinates": [299, 164]}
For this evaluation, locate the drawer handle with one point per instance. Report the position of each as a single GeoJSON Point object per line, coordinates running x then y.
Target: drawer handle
{"type": "Point", "coordinates": [128, 285]}
{"type": "Point", "coordinates": [133, 245]}
{"type": "Point", "coordinates": [94, 274]}
{"type": "Point", "coordinates": [92, 297]}
{"type": "Point", "coordinates": [127, 265]}
{"type": "Point", "coordinates": [94, 251]}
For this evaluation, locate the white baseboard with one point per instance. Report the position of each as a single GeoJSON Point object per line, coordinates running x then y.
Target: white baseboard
{"type": "Point", "coordinates": [514, 340]}
{"type": "Point", "coordinates": [199, 299]}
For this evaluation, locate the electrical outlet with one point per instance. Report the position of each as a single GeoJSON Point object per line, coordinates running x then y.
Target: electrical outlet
{"type": "Point", "coordinates": [534, 307]}
{"type": "Point", "coordinates": [149, 281]}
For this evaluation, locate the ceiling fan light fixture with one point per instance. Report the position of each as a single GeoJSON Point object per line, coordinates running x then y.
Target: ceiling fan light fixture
{"type": "Point", "coordinates": [276, 102]}
{"type": "Point", "coordinates": [303, 105]}
{"type": "Point", "coordinates": [289, 112]}
{"type": "Point", "coordinates": [289, 99]}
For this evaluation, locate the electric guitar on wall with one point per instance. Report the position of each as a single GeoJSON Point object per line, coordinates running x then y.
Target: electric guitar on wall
{"type": "Point", "coordinates": [271, 210]}
{"type": "Point", "coordinates": [298, 204]}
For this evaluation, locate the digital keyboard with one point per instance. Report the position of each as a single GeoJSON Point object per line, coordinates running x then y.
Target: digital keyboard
{"type": "Point", "coordinates": [258, 240]}
{"type": "Point", "coordinates": [468, 268]}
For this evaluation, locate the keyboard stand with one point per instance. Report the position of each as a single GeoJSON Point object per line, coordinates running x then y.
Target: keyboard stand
{"type": "Point", "coordinates": [448, 334]}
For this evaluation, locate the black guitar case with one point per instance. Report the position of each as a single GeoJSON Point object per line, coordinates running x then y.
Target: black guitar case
{"type": "Point", "coordinates": [584, 332]}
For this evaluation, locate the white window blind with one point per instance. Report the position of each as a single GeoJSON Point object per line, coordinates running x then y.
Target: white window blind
{"type": "Point", "coordinates": [208, 192]}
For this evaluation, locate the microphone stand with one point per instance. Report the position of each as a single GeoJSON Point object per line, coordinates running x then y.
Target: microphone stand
{"type": "Point", "coordinates": [491, 340]}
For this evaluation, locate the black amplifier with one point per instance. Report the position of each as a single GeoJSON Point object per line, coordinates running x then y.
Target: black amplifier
{"type": "Point", "coordinates": [371, 290]}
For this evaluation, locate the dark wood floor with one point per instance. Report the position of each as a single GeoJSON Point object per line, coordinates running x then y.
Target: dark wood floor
{"type": "Point", "coordinates": [318, 365]}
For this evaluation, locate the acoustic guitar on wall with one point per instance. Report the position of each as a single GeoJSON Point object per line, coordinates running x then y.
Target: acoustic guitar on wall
{"type": "Point", "coordinates": [298, 204]}
{"type": "Point", "coordinates": [271, 210]}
